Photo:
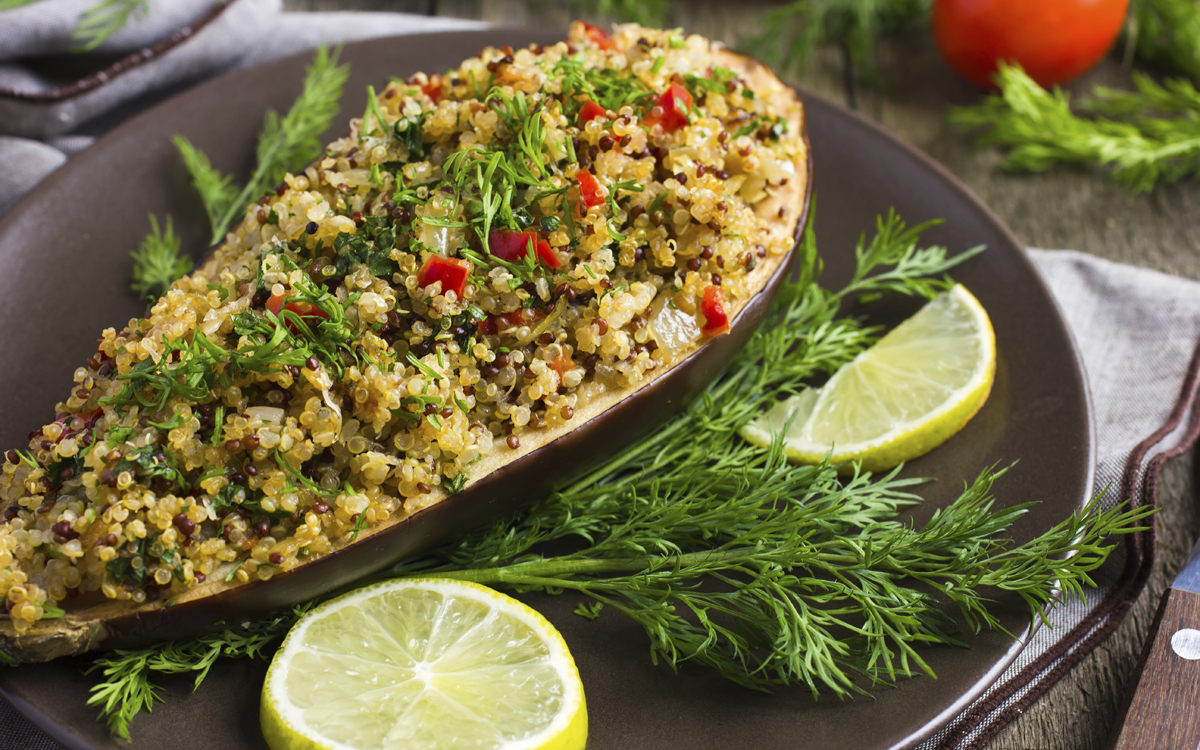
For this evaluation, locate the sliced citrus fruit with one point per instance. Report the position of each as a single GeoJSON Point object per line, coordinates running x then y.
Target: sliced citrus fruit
{"type": "Point", "coordinates": [897, 400]}
{"type": "Point", "coordinates": [423, 664]}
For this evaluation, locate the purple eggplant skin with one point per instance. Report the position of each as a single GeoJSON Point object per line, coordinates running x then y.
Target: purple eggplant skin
{"type": "Point", "coordinates": [535, 474]}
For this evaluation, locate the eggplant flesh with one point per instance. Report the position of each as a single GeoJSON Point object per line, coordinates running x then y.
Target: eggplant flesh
{"type": "Point", "coordinates": [693, 349]}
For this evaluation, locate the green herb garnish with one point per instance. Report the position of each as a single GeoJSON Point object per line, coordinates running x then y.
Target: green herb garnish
{"type": "Point", "coordinates": [1147, 137]}
{"type": "Point", "coordinates": [284, 145]}
{"type": "Point", "coordinates": [157, 262]}
{"type": "Point", "coordinates": [126, 689]}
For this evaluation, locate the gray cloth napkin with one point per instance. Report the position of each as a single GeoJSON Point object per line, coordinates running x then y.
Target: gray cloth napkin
{"type": "Point", "coordinates": [1136, 329]}
{"type": "Point", "coordinates": [46, 115]}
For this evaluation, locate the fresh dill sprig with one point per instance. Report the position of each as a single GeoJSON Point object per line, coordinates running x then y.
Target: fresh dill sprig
{"type": "Point", "coordinates": [1147, 137]}
{"type": "Point", "coordinates": [217, 191]}
{"type": "Point", "coordinates": [126, 689]}
{"type": "Point", "coordinates": [100, 22]}
{"type": "Point", "coordinates": [791, 33]}
{"type": "Point", "coordinates": [1166, 33]}
{"type": "Point", "coordinates": [809, 578]}
{"type": "Point", "coordinates": [285, 144]}
{"type": "Point", "coordinates": [158, 262]}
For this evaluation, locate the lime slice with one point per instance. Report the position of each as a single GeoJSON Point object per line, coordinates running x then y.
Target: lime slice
{"type": "Point", "coordinates": [423, 664]}
{"type": "Point", "coordinates": [901, 398]}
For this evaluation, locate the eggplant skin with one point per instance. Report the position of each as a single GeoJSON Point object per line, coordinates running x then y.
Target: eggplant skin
{"type": "Point", "coordinates": [544, 462]}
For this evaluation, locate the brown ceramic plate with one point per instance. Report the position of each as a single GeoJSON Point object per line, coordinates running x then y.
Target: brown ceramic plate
{"type": "Point", "coordinates": [64, 273]}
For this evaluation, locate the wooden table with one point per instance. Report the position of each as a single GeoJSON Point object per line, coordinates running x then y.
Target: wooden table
{"type": "Point", "coordinates": [1078, 209]}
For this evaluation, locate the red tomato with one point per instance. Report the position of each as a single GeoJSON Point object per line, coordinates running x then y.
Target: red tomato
{"type": "Point", "coordinates": [716, 320]}
{"type": "Point", "coordinates": [588, 112]}
{"type": "Point", "coordinates": [512, 246]}
{"type": "Point", "coordinates": [670, 112]}
{"type": "Point", "coordinates": [452, 272]}
{"type": "Point", "coordinates": [589, 189]}
{"type": "Point", "coordinates": [596, 35]}
{"type": "Point", "coordinates": [1053, 40]}
{"type": "Point", "coordinates": [303, 309]}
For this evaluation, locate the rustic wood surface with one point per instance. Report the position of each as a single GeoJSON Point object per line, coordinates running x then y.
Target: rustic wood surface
{"type": "Point", "coordinates": [1074, 209]}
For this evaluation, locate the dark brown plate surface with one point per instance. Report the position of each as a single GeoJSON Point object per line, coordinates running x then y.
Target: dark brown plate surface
{"type": "Point", "coordinates": [63, 275]}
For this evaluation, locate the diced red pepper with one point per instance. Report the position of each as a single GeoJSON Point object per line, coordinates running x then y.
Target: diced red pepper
{"type": "Point", "coordinates": [433, 89]}
{"type": "Point", "coordinates": [452, 272]}
{"type": "Point", "coordinates": [547, 254]}
{"type": "Point", "coordinates": [596, 35]}
{"type": "Point", "coordinates": [512, 246]}
{"type": "Point", "coordinates": [716, 320]}
{"type": "Point", "coordinates": [307, 311]}
{"type": "Point", "coordinates": [670, 112]}
{"type": "Point", "coordinates": [588, 112]}
{"type": "Point", "coordinates": [589, 189]}
{"type": "Point", "coordinates": [563, 363]}
{"type": "Point", "coordinates": [515, 319]}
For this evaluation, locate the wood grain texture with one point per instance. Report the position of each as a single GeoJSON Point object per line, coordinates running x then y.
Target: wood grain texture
{"type": "Point", "coordinates": [1162, 712]}
{"type": "Point", "coordinates": [1076, 209]}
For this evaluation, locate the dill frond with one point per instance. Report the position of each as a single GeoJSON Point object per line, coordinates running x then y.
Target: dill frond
{"type": "Point", "coordinates": [158, 262]}
{"type": "Point", "coordinates": [285, 144]}
{"type": "Point", "coordinates": [101, 21]}
{"type": "Point", "coordinates": [1166, 33]}
{"type": "Point", "coordinates": [1147, 137]}
{"type": "Point", "coordinates": [217, 191]}
{"type": "Point", "coordinates": [126, 688]}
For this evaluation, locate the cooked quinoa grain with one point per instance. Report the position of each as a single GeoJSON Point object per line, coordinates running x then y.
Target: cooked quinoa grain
{"type": "Point", "coordinates": [484, 257]}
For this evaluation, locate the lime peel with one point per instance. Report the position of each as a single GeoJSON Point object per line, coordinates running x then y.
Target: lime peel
{"type": "Point", "coordinates": [899, 399]}
{"type": "Point", "coordinates": [423, 664]}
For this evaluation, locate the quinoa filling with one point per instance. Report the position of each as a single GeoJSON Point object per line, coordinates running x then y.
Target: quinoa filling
{"type": "Point", "coordinates": [482, 255]}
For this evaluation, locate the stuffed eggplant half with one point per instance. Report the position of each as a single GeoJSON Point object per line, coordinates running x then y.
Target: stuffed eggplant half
{"type": "Point", "coordinates": [498, 277]}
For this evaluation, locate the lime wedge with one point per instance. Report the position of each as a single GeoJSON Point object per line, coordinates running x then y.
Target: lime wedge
{"type": "Point", "coordinates": [424, 664]}
{"type": "Point", "coordinates": [899, 399]}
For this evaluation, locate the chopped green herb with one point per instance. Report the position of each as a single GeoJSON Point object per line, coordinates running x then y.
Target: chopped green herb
{"type": "Point", "coordinates": [360, 523]}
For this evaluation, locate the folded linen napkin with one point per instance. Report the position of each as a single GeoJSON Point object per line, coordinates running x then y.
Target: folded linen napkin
{"type": "Point", "coordinates": [53, 102]}
{"type": "Point", "coordinates": [1136, 329]}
